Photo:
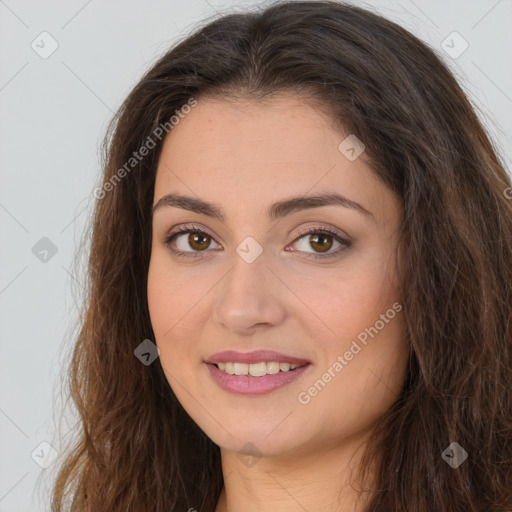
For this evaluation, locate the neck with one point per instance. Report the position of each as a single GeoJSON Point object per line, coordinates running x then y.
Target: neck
{"type": "Point", "coordinates": [324, 479]}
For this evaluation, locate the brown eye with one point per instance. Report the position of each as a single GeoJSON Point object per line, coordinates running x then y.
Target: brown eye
{"type": "Point", "coordinates": [321, 242]}
{"type": "Point", "coordinates": [199, 241]}
{"type": "Point", "coordinates": [189, 243]}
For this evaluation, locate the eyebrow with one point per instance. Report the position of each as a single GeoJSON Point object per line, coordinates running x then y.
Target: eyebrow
{"type": "Point", "coordinates": [276, 210]}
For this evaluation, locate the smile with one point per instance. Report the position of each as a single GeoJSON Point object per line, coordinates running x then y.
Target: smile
{"type": "Point", "coordinates": [254, 373]}
{"type": "Point", "coordinates": [256, 369]}
{"type": "Point", "coordinates": [244, 383]}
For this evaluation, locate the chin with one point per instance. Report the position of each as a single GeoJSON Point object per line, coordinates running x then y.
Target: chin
{"type": "Point", "coordinates": [256, 438]}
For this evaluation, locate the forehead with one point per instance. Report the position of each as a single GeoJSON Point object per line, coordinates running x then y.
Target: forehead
{"type": "Point", "coordinates": [250, 130]}
{"type": "Point", "coordinates": [253, 152]}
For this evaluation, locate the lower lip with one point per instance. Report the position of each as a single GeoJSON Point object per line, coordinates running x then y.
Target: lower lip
{"type": "Point", "coordinates": [248, 385]}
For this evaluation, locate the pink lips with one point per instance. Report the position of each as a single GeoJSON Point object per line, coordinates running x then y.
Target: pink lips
{"type": "Point", "coordinates": [253, 357]}
{"type": "Point", "coordinates": [247, 384]}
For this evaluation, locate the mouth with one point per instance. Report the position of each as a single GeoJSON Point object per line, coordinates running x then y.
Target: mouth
{"type": "Point", "coordinates": [259, 369]}
{"type": "Point", "coordinates": [255, 373]}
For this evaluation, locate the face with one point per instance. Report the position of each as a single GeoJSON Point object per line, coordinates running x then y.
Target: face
{"type": "Point", "coordinates": [254, 262]}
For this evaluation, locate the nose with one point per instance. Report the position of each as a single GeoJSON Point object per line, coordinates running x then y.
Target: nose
{"type": "Point", "coordinates": [250, 298]}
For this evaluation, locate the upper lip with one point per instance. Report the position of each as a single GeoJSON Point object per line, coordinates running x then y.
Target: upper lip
{"type": "Point", "coordinates": [256, 356]}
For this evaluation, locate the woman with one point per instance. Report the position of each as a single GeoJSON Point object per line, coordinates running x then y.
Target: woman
{"type": "Point", "coordinates": [300, 281]}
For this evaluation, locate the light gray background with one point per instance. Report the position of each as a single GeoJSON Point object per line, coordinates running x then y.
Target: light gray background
{"type": "Point", "coordinates": [53, 115]}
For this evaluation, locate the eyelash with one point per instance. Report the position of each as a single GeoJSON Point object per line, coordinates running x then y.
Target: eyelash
{"type": "Point", "coordinates": [310, 231]}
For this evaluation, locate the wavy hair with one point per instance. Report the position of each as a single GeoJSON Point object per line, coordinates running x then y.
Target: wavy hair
{"type": "Point", "coordinates": [137, 449]}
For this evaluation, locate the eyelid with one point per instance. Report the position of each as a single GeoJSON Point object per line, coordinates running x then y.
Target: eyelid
{"type": "Point", "coordinates": [187, 227]}
{"type": "Point", "coordinates": [314, 228]}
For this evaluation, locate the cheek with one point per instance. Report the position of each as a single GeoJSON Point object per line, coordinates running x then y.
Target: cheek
{"type": "Point", "coordinates": [360, 310]}
{"type": "Point", "coordinates": [175, 305]}
{"type": "Point", "coordinates": [180, 308]}
{"type": "Point", "coordinates": [360, 372]}
{"type": "Point", "coordinates": [350, 300]}
{"type": "Point", "coordinates": [162, 297]}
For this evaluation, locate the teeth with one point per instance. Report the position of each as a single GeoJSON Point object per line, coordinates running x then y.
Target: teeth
{"type": "Point", "coordinates": [256, 369]}
{"type": "Point", "coordinates": [272, 367]}
{"type": "Point", "coordinates": [241, 368]}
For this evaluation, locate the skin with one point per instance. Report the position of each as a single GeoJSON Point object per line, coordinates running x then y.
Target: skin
{"type": "Point", "coordinates": [243, 156]}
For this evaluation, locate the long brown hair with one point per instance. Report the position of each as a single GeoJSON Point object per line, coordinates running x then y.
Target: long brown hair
{"type": "Point", "coordinates": [138, 450]}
